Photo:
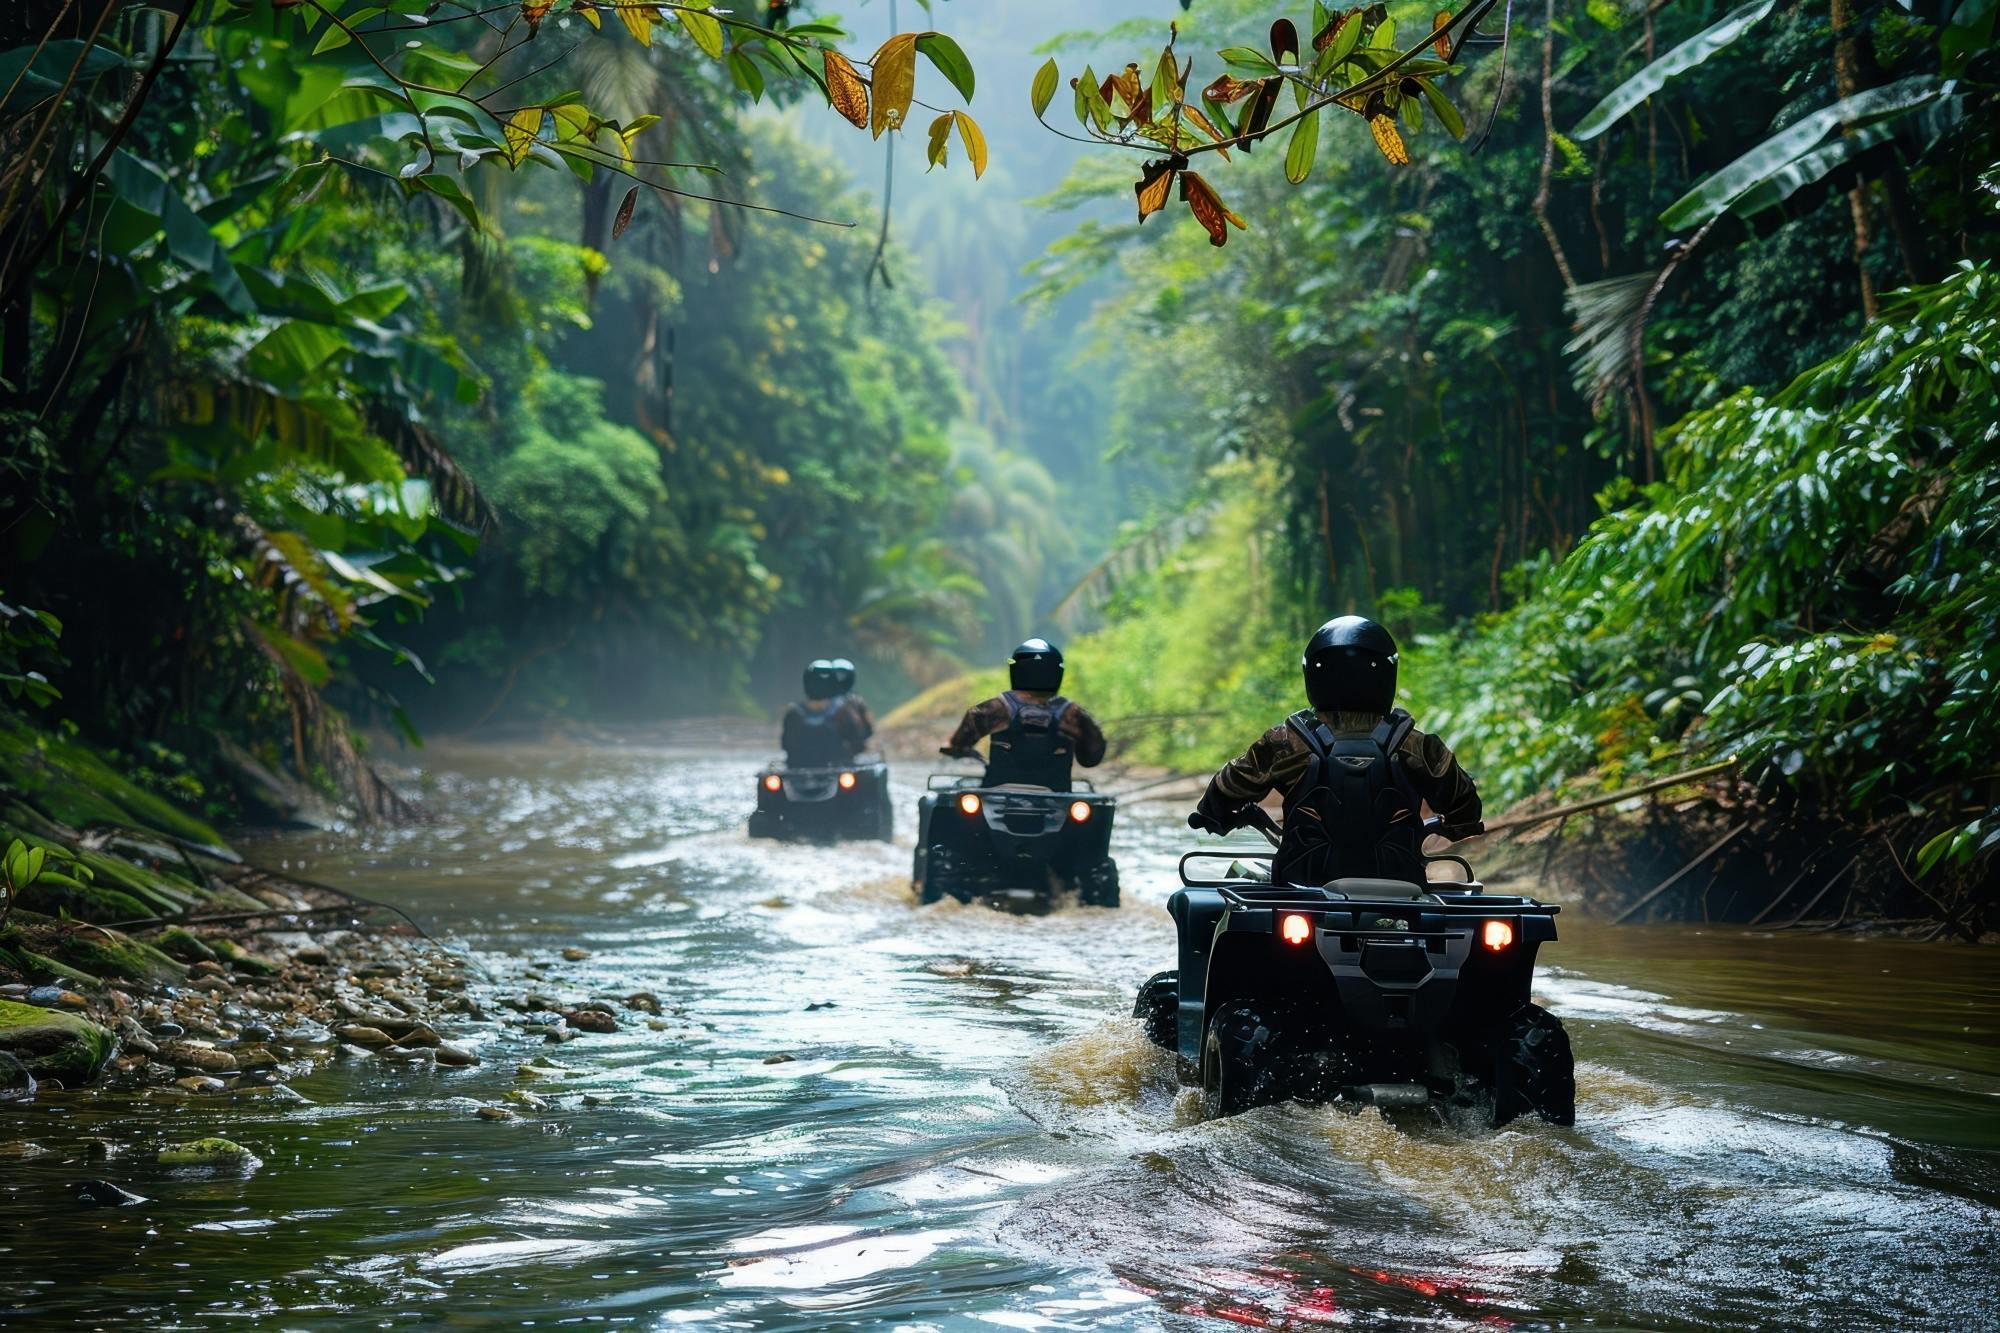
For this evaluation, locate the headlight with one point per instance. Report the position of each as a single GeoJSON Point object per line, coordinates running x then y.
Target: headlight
{"type": "Point", "coordinates": [1079, 810]}
{"type": "Point", "coordinates": [847, 781]}
{"type": "Point", "coordinates": [772, 782]}
{"type": "Point", "coordinates": [1497, 935]}
{"type": "Point", "coordinates": [969, 803]}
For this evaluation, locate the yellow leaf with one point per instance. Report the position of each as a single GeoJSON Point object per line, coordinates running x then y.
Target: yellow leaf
{"type": "Point", "coordinates": [895, 82]}
{"type": "Point", "coordinates": [573, 121]}
{"type": "Point", "coordinates": [1154, 188]}
{"type": "Point", "coordinates": [1389, 140]}
{"type": "Point", "coordinates": [975, 142]}
{"type": "Point", "coordinates": [639, 21]}
{"type": "Point", "coordinates": [707, 33]}
{"type": "Point", "coordinates": [934, 151]}
{"type": "Point", "coordinates": [521, 130]}
{"type": "Point", "coordinates": [1438, 26]}
{"type": "Point", "coordinates": [845, 89]}
{"type": "Point", "coordinates": [589, 12]}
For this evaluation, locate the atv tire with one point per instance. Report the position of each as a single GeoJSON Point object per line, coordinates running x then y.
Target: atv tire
{"type": "Point", "coordinates": [939, 879]}
{"type": "Point", "coordinates": [1533, 1069]}
{"type": "Point", "coordinates": [1097, 886]}
{"type": "Point", "coordinates": [763, 824]}
{"type": "Point", "coordinates": [1242, 1061]}
{"type": "Point", "coordinates": [885, 820]}
{"type": "Point", "coordinates": [1158, 1009]}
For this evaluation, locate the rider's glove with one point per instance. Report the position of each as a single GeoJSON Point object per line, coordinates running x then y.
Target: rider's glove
{"type": "Point", "coordinates": [1460, 832]}
{"type": "Point", "coordinates": [1202, 822]}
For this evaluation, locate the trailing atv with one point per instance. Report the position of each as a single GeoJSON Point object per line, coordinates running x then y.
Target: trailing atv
{"type": "Point", "coordinates": [1014, 846]}
{"type": "Point", "coordinates": [824, 804]}
{"type": "Point", "coordinates": [1371, 991]}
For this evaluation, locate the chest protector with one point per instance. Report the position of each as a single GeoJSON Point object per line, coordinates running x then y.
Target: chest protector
{"type": "Point", "coordinates": [813, 739]}
{"type": "Point", "coordinates": [1355, 811]}
{"type": "Point", "coordinates": [1032, 750]}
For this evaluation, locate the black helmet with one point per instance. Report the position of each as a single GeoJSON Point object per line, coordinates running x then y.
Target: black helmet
{"type": "Point", "coordinates": [843, 671]}
{"type": "Point", "coordinates": [822, 680]}
{"type": "Point", "coordinates": [1036, 665]}
{"type": "Point", "coordinates": [1351, 667]}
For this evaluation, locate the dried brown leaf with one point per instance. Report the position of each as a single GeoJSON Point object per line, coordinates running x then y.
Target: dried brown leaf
{"type": "Point", "coordinates": [625, 211]}
{"type": "Point", "coordinates": [845, 89]}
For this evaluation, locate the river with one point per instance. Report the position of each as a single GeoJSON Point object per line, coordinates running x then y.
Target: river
{"type": "Point", "coordinates": [1774, 1130]}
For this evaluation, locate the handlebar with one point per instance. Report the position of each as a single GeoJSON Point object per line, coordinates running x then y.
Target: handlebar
{"type": "Point", "coordinates": [1257, 817]}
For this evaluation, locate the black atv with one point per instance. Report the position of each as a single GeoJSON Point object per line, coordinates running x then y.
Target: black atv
{"type": "Point", "coordinates": [1014, 846]}
{"type": "Point", "coordinates": [824, 804]}
{"type": "Point", "coordinates": [1371, 991]}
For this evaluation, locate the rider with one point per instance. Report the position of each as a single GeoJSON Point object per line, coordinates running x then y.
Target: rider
{"type": "Point", "coordinates": [1354, 770]}
{"type": "Point", "coordinates": [823, 730]}
{"type": "Point", "coordinates": [861, 723]}
{"type": "Point", "coordinates": [1035, 731]}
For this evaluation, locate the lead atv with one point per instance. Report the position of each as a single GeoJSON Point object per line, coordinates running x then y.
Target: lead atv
{"type": "Point", "coordinates": [1370, 991]}
{"type": "Point", "coordinates": [1014, 846]}
{"type": "Point", "coordinates": [824, 804]}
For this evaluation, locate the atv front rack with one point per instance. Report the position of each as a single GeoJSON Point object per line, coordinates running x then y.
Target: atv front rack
{"type": "Point", "coordinates": [969, 782]}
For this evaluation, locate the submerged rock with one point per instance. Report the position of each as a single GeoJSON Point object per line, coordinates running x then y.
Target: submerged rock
{"type": "Point", "coordinates": [211, 1152]}
{"type": "Point", "coordinates": [52, 1044]}
{"type": "Point", "coordinates": [104, 1194]}
{"type": "Point", "coordinates": [358, 1034]}
{"type": "Point", "coordinates": [590, 1020]}
{"type": "Point", "coordinates": [203, 1084]}
{"type": "Point", "coordinates": [456, 1057]}
{"type": "Point", "coordinates": [495, 1113]}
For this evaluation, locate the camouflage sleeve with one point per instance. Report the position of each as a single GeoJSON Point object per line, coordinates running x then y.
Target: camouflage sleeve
{"type": "Point", "coordinates": [1089, 736]}
{"type": "Point", "coordinates": [1244, 780]}
{"type": "Point", "coordinates": [1442, 781]}
{"type": "Point", "coordinates": [978, 723]}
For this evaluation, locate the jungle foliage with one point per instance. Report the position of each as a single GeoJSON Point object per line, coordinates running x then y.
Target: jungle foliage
{"type": "Point", "coordinates": [1436, 391]}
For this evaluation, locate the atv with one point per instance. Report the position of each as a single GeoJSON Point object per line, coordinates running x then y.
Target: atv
{"type": "Point", "coordinates": [1016, 847]}
{"type": "Point", "coordinates": [1373, 991]}
{"type": "Point", "coordinates": [824, 804]}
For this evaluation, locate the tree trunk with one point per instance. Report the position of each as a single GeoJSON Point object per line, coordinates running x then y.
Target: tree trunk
{"type": "Point", "coordinates": [1847, 81]}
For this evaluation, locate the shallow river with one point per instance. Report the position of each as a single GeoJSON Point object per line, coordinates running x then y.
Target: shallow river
{"type": "Point", "coordinates": [1773, 1130]}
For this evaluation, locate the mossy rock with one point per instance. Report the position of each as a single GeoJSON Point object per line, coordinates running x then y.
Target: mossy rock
{"type": "Point", "coordinates": [215, 1153]}
{"type": "Point", "coordinates": [19, 960]}
{"type": "Point", "coordinates": [75, 785]}
{"type": "Point", "coordinates": [241, 959]}
{"type": "Point", "coordinates": [84, 901]}
{"type": "Point", "coordinates": [183, 945]}
{"type": "Point", "coordinates": [53, 1044]}
{"type": "Point", "coordinates": [87, 954]}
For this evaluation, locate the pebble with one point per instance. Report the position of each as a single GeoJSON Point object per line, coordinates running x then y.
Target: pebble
{"type": "Point", "coordinates": [575, 955]}
{"type": "Point", "coordinates": [495, 1113]}
{"type": "Point", "coordinates": [207, 967]}
{"type": "Point", "coordinates": [533, 1101]}
{"type": "Point", "coordinates": [590, 1020]}
{"type": "Point", "coordinates": [382, 969]}
{"type": "Point", "coordinates": [645, 1001]}
{"type": "Point", "coordinates": [193, 1055]}
{"type": "Point", "coordinates": [420, 1035]}
{"type": "Point", "coordinates": [255, 1057]}
{"type": "Point", "coordinates": [454, 1057]}
{"type": "Point", "coordinates": [200, 1083]}
{"type": "Point", "coordinates": [313, 955]}
{"type": "Point", "coordinates": [256, 1032]}
{"type": "Point", "coordinates": [781, 1058]}
{"type": "Point", "coordinates": [358, 1034]}
{"type": "Point", "coordinates": [55, 997]}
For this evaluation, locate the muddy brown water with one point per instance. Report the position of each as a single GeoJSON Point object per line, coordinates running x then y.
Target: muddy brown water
{"type": "Point", "coordinates": [1774, 1130]}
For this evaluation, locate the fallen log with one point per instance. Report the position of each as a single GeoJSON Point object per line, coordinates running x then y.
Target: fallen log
{"type": "Point", "coordinates": [1509, 824]}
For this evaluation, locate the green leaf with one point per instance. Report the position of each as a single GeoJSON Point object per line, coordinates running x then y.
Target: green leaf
{"type": "Point", "coordinates": [1247, 57]}
{"type": "Point", "coordinates": [1303, 148]}
{"type": "Point", "coordinates": [1630, 94]}
{"type": "Point", "coordinates": [1442, 108]}
{"type": "Point", "coordinates": [949, 59]}
{"type": "Point", "coordinates": [748, 77]}
{"type": "Point", "coordinates": [1719, 191]}
{"type": "Point", "coordinates": [1044, 90]}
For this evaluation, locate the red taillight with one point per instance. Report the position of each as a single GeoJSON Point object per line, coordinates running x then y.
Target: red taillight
{"type": "Point", "coordinates": [772, 782]}
{"type": "Point", "coordinates": [969, 803]}
{"type": "Point", "coordinates": [1079, 810]}
{"type": "Point", "coordinates": [1295, 928]}
{"type": "Point", "coordinates": [847, 782]}
{"type": "Point", "coordinates": [1497, 935]}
